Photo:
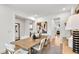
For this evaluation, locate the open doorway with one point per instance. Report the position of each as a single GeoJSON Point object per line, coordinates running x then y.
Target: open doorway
{"type": "Point", "coordinates": [19, 27]}
{"type": "Point", "coordinates": [23, 27]}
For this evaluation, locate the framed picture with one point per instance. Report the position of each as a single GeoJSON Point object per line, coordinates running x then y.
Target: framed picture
{"type": "Point", "coordinates": [42, 26]}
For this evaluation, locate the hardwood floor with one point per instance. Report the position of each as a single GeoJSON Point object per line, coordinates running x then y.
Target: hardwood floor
{"type": "Point", "coordinates": [52, 48]}
{"type": "Point", "coordinates": [56, 48]}
{"type": "Point", "coordinates": [66, 49]}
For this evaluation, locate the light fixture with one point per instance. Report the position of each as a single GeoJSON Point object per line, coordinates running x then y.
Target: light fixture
{"type": "Point", "coordinates": [63, 9]}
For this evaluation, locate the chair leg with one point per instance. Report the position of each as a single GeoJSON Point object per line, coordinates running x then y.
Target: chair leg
{"type": "Point", "coordinates": [34, 51]}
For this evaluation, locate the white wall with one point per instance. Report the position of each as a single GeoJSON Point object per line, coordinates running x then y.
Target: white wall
{"type": "Point", "coordinates": [7, 25]}
{"type": "Point", "coordinates": [51, 27]}
{"type": "Point", "coordinates": [27, 27]}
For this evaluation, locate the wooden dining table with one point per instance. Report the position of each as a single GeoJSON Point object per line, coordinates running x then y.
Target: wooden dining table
{"type": "Point", "coordinates": [28, 43]}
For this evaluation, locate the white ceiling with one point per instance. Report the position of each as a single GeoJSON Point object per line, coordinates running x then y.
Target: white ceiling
{"type": "Point", "coordinates": [41, 9]}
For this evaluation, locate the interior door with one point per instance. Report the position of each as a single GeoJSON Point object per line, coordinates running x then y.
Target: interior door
{"type": "Point", "coordinates": [17, 31]}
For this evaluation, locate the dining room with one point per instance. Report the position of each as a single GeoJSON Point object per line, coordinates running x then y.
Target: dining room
{"type": "Point", "coordinates": [39, 29]}
{"type": "Point", "coordinates": [30, 35]}
{"type": "Point", "coordinates": [36, 29]}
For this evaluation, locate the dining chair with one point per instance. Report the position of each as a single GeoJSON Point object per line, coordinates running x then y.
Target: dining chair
{"type": "Point", "coordinates": [46, 41]}
{"type": "Point", "coordinates": [21, 51]}
{"type": "Point", "coordinates": [40, 46]}
{"type": "Point", "coordinates": [11, 49]}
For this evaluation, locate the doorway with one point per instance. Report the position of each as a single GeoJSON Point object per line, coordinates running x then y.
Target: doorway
{"type": "Point", "coordinates": [17, 31]}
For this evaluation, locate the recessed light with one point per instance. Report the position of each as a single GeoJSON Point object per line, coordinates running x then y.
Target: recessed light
{"type": "Point", "coordinates": [52, 20]}
{"type": "Point", "coordinates": [63, 9]}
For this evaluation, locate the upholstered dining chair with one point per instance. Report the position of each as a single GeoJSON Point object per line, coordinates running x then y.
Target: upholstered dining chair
{"type": "Point", "coordinates": [21, 51]}
{"type": "Point", "coordinates": [46, 41]}
{"type": "Point", "coordinates": [11, 49]}
{"type": "Point", "coordinates": [39, 47]}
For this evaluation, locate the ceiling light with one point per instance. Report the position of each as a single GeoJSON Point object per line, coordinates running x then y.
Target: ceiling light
{"type": "Point", "coordinates": [63, 9]}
